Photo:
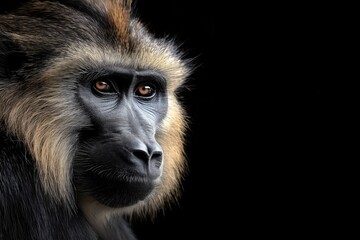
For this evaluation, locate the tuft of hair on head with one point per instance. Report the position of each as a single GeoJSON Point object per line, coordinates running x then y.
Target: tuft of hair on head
{"type": "Point", "coordinates": [118, 14]}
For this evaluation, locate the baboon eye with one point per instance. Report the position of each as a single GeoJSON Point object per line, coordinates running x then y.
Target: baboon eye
{"type": "Point", "coordinates": [145, 90]}
{"type": "Point", "coordinates": [103, 86]}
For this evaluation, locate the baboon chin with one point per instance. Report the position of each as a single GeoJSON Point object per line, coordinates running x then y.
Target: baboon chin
{"type": "Point", "coordinates": [91, 128]}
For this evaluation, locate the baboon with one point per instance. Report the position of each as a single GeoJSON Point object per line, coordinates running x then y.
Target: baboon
{"type": "Point", "coordinates": [91, 126]}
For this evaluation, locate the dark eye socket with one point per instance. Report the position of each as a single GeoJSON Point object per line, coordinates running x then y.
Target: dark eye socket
{"type": "Point", "coordinates": [145, 90]}
{"type": "Point", "coordinates": [103, 86]}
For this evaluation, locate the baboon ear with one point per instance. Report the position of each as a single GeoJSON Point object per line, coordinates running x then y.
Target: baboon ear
{"type": "Point", "coordinates": [12, 57]}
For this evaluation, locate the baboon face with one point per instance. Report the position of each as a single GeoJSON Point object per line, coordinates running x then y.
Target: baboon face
{"type": "Point", "coordinates": [92, 94]}
{"type": "Point", "coordinates": [119, 160]}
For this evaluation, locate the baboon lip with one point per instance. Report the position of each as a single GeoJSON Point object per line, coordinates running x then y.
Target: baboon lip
{"type": "Point", "coordinates": [129, 176]}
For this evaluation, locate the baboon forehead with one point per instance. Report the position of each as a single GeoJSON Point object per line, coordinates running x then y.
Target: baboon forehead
{"type": "Point", "coordinates": [57, 22]}
{"type": "Point", "coordinates": [82, 34]}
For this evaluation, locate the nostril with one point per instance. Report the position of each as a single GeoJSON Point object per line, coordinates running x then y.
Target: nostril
{"type": "Point", "coordinates": [156, 155]}
{"type": "Point", "coordinates": [141, 155]}
{"type": "Point", "coordinates": [156, 159]}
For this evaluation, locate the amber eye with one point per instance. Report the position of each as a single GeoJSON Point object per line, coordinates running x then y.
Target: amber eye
{"type": "Point", "coordinates": [103, 86]}
{"type": "Point", "coordinates": [145, 90]}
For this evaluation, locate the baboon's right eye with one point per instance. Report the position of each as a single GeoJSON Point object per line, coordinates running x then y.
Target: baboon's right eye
{"type": "Point", "coordinates": [103, 86]}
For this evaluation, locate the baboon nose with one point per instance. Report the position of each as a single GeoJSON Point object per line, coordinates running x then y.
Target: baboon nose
{"type": "Point", "coordinates": [151, 160]}
{"type": "Point", "coordinates": [145, 156]}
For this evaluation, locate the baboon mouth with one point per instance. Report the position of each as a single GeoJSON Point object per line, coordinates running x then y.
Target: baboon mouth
{"type": "Point", "coordinates": [117, 192]}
